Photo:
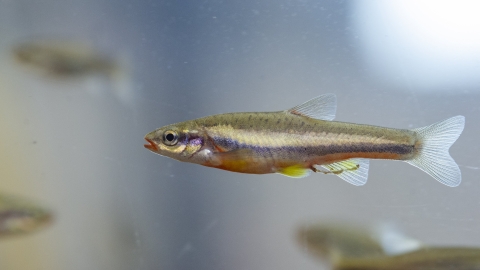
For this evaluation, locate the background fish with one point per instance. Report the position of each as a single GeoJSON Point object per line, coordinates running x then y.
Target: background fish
{"type": "Point", "coordinates": [333, 242]}
{"type": "Point", "coordinates": [337, 241]}
{"type": "Point", "coordinates": [351, 247]}
{"type": "Point", "coordinates": [428, 258]}
{"type": "Point", "coordinates": [63, 58]}
{"type": "Point", "coordinates": [304, 139]}
{"type": "Point", "coordinates": [19, 216]}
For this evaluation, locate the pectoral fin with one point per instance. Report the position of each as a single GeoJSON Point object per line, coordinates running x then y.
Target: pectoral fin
{"type": "Point", "coordinates": [354, 171]}
{"type": "Point", "coordinates": [295, 171]}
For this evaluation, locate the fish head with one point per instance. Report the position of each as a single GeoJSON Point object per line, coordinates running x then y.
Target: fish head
{"type": "Point", "coordinates": [178, 141]}
{"type": "Point", "coordinates": [28, 54]}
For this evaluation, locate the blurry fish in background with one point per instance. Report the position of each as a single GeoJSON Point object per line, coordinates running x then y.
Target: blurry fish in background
{"type": "Point", "coordinates": [63, 59]}
{"type": "Point", "coordinates": [336, 241]}
{"type": "Point", "coordinates": [393, 240]}
{"type": "Point", "coordinates": [303, 139]}
{"type": "Point", "coordinates": [381, 248]}
{"type": "Point", "coordinates": [332, 242]}
{"type": "Point", "coordinates": [427, 258]}
{"type": "Point", "coordinates": [20, 216]}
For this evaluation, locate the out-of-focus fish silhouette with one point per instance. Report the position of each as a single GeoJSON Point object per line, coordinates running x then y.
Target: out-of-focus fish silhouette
{"type": "Point", "coordinates": [20, 216]}
{"type": "Point", "coordinates": [427, 258]}
{"type": "Point", "coordinates": [333, 242]}
{"type": "Point", "coordinates": [383, 248]}
{"type": "Point", "coordinates": [67, 59]}
{"type": "Point", "coordinates": [64, 58]}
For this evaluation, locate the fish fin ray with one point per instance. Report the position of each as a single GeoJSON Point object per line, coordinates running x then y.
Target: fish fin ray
{"type": "Point", "coordinates": [354, 171]}
{"type": "Point", "coordinates": [295, 171]}
{"type": "Point", "coordinates": [433, 156]}
{"type": "Point", "coordinates": [322, 107]}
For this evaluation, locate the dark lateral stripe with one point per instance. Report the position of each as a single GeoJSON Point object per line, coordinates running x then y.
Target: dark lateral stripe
{"type": "Point", "coordinates": [400, 149]}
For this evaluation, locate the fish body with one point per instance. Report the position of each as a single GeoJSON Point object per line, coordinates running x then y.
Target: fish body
{"type": "Point", "coordinates": [303, 139]}
{"type": "Point", "coordinates": [334, 242]}
{"type": "Point", "coordinates": [428, 258]}
{"type": "Point", "coordinates": [62, 58]}
{"type": "Point", "coordinates": [20, 216]}
{"type": "Point", "coordinates": [353, 248]}
{"type": "Point", "coordinates": [277, 140]}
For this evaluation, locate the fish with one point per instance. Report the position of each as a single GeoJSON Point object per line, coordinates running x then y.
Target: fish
{"type": "Point", "coordinates": [21, 216]}
{"type": "Point", "coordinates": [350, 247]}
{"type": "Point", "coordinates": [427, 258]}
{"type": "Point", "coordinates": [63, 58]}
{"type": "Point", "coordinates": [305, 139]}
{"type": "Point", "coordinates": [334, 242]}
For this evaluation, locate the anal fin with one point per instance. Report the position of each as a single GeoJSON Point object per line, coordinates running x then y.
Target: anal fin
{"type": "Point", "coordinates": [354, 171]}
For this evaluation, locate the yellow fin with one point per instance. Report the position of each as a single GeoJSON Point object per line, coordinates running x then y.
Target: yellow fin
{"type": "Point", "coordinates": [354, 171]}
{"type": "Point", "coordinates": [295, 171]}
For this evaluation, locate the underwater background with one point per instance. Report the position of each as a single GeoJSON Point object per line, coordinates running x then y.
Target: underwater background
{"type": "Point", "coordinates": [74, 144]}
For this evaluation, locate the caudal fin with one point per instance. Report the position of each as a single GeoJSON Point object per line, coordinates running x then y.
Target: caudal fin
{"type": "Point", "coordinates": [432, 153]}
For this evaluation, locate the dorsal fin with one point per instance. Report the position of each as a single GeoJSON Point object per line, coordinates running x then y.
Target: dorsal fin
{"type": "Point", "coordinates": [322, 107]}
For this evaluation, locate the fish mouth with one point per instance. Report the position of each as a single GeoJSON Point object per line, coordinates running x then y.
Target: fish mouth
{"type": "Point", "coordinates": [151, 145]}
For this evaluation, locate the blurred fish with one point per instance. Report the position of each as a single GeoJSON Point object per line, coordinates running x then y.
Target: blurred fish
{"type": "Point", "coordinates": [303, 139]}
{"type": "Point", "coordinates": [67, 60]}
{"type": "Point", "coordinates": [334, 242]}
{"type": "Point", "coordinates": [337, 241]}
{"type": "Point", "coordinates": [62, 58]}
{"type": "Point", "coordinates": [19, 216]}
{"type": "Point", "coordinates": [427, 258]}
{"type": "Point", "coordinates": [393, 241]}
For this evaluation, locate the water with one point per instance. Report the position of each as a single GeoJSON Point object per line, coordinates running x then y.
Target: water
{"type": "Point", "coordinates": [75, 144]}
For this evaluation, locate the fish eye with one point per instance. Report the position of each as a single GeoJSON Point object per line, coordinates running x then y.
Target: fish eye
{"type": "Point", "coordinates": [170, 137]}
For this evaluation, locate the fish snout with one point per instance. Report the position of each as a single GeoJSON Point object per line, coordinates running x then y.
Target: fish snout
{"type": "Point", "coordinates": [152, 146]}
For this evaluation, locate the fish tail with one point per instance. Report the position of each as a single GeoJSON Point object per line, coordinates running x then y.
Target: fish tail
{"type": "Point", "coordinates": [432, 150]}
